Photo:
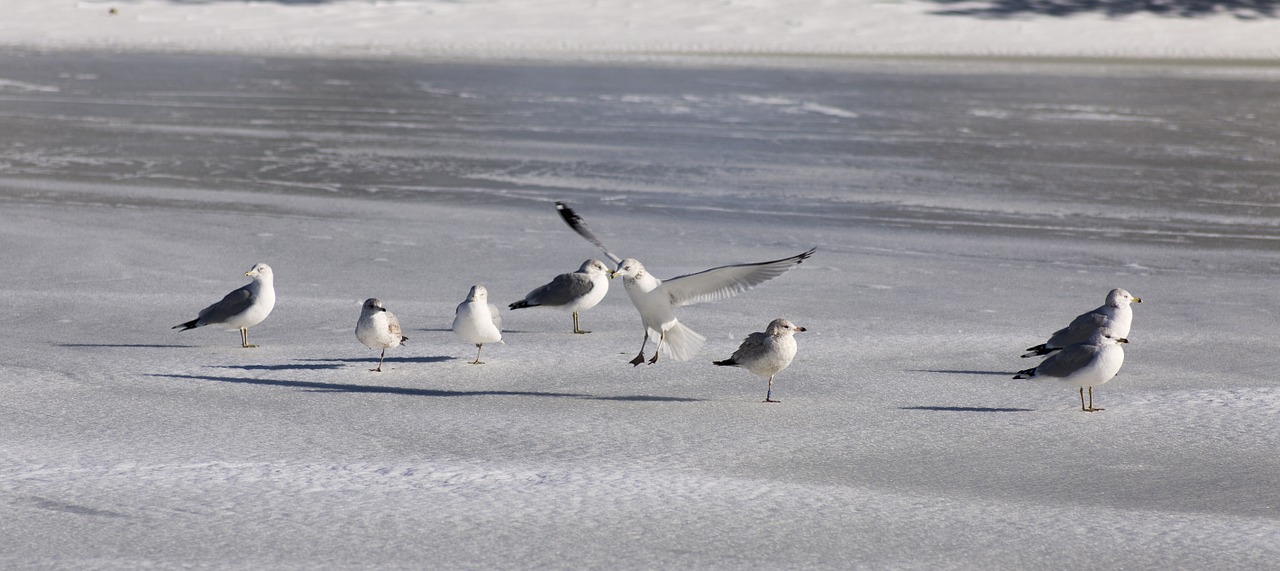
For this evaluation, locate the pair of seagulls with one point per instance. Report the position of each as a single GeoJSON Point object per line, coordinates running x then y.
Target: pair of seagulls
{"type": "Point", "coordinates": [252, 303]}
{"type": "Point", "coordinates": [1087, 352]}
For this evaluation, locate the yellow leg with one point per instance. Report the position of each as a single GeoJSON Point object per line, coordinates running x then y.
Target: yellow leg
{"type": "Point", "coordinates": [244, 338]}
{"type": "Point", "coordinates": [479, 348]}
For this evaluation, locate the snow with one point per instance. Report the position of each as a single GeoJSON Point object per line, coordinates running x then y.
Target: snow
{"type": "Point", "coordinates": [963, 209]}
{"type": "Point", "coordinates": [1180, 29]}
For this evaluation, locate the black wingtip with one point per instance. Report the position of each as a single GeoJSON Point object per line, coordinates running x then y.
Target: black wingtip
{"type": "Point", "coordinates": [1037, 351]}
{"type": "Point", "coordinates": [519, 305]}
{"type": "Point", "coordinates": [185, 326]}
{"type": "Point", "coordinates": [1025, 373]}
{"type": "Point", "coordinates": [725, 363]}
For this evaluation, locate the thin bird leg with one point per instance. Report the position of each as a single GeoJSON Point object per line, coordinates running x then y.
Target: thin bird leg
{"type": "Point", "coordinates": [640, 358]}
{"type": "Point", "coordinates": [661, 338]}
{"type": "Point", "coordinates": [479, 348]}
{"type": "Point", "coordinates": [1091, 407]}
{"type": "Point", "coordinates": [244, 338]}
{"type": "Point", "coordinates": [1082, 400]}
{"type": "Point", "coordinates": [768, 395]}
{"type": "Point", "coordinates": [380, 357]}
{"type": "Point", "coordinates": [575, 324]}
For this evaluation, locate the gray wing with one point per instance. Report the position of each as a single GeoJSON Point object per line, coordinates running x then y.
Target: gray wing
{"type": "Point", "coordinates": [497, 317]}
{"type": "Point", "coordinates": [724, 282]}
{"type": "Point", "coordinates": [393, 324]}
{"type": "Point", "coordinates": [233, 304]}
{"type": "Point", "coordinates": [1070, 360]}
{"type": "Point", "coordinates": [750, 348]}
{"type": "Point", "coordinates": [562, 290]}
{"type": "Point", "coordinates": [1081, 328]}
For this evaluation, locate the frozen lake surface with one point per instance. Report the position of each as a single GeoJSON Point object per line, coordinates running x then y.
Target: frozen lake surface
{"type": "Point", "coordinates": [962, 211]}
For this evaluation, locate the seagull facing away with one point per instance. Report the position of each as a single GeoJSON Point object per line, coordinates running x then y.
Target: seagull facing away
{"type": "Point", "coordinates": [766, 354]}
{"type": "Point", "coordinates": [242, 308]}
{"type": "Point", "coordinates": [378, 329]}
{"type": "Point", "coordinates": [573, 292]}
{"type": "Point", "coordinates": [1086, 364]}
{"type": "Point", "coordinates": [477, 321]}
{"type": "Point", "coordinates": [655, 299]}
{"type": "Point", "coordinates": [1115, 314]}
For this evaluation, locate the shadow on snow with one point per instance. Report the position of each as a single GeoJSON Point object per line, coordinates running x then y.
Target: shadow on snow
{"type": "Point", "coordinates": [996, 9]}
{"type": "Point", "coordinates": [312, 386]}
{"type": "Point", "coordinates": [967, 409]}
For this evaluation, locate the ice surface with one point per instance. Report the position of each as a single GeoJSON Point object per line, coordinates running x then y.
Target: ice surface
{"type": "Point", "coordinates": [947, 240]}
{"type": "Point", "coordinates": [652, 29]}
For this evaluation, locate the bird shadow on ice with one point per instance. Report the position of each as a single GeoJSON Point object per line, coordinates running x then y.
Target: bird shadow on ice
{"type": "Point", "coordinates": [311, 386]}
{"type": "Point", "coordinates": [961, 372]}
{"type": "Point", "coordinates": [306, 367]}
{"type": "Point", "coordinates": [437, 359]}
{"type": "Point", "coordinates": [126, 345]}
{"type": "Point", "coordinates": [1240, 9]}
{"type": "Point", "coordinates": [967, 409]}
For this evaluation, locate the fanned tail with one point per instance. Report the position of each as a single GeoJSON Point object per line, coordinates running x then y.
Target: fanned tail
{"type": "Point", "coordinates": [681, 343]}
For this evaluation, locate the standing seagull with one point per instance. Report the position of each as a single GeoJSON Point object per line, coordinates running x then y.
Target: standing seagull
{"type": "Point", "coordinates": [242, 308]}
{"type": "Point", "coordinates": [378, 329]}
{"type": "Point", "coordinates": [1115, 314]}
{"type": "Point", "coordinates": [573, 292]}
{"type": "Point", "coordinates": [766, 354]}
{"type": "Point", "coordinates": [655, 299]}
{"type": "Point", "coordinates": [477, 320]}
{"type": "Point", "coordinates": [1086, 364]}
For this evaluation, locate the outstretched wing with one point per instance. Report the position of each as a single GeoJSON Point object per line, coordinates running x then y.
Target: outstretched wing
{"type": "Point", "coordinates": [580, 226]}
{"type": "Point", "coordinates": [724, 282]}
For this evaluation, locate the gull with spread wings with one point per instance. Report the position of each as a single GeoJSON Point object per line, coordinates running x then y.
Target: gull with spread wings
{"type": "Point", "coordinates": [655, 299]}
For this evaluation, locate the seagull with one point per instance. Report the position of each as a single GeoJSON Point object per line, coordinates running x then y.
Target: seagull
{"type": "Point", "coordinates": [655, 299]}
{"type": "Point", "coordinates": [378, 329]}
{"type": "Point", "coordinates": [573, 292]}
{"type": "Point", "coordinates": [1086, 364]}
{"type": "Point", "coordinates": [1115, 315]}
{"type": "Point", "coordinates": [477, 321]}
{"type": "Point", "coordinates": [766, 353]}
{"type": "Point", "coordinates": [242, 308]}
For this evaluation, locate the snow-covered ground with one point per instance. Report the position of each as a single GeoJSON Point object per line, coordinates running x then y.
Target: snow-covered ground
{"type": "Point", "coordinates": [1191, 29]}
{"type": "Point", "coordinates": [962, 210]}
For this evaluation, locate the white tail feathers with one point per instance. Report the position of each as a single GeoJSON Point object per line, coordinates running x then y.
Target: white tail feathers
{"type": "Point", "coordinates": [681, 343]}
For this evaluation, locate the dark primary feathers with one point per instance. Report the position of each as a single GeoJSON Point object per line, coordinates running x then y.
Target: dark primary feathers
{"type": "Point", "coordinates": [231, 305]}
